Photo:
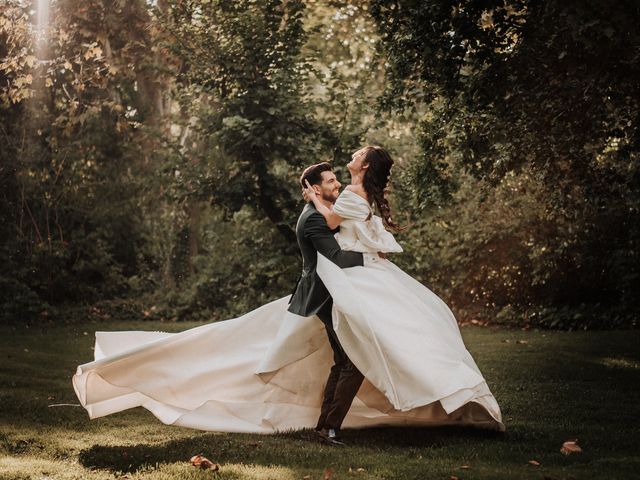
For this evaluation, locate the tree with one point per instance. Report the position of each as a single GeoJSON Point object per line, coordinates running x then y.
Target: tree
{"type": "Point", "coordinates": [254, 123]}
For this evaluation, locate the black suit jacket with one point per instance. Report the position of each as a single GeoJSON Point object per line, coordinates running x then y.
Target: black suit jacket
{"type": "Point", "coordinates": [310, 295]}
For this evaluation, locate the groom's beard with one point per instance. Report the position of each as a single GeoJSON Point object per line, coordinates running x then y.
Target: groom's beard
{"type": "Point", "coordinates": [330, 197]}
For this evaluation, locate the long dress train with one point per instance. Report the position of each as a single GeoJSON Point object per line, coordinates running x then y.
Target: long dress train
{"type": "Point", "coordinates": [265, 371]}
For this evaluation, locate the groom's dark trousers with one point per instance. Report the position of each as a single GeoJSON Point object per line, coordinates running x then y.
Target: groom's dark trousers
{"type": "Point", "coordinates": [311, 297]}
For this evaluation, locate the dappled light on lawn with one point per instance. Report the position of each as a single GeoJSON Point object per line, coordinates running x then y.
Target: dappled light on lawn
{"type": "Point", "coordinates": [620, 362]}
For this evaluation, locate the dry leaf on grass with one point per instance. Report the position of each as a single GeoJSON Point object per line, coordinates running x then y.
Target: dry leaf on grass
{"type": "Point", "coordinates": [453, 477]}
{"type": "Point", "coordinates": [204, 463]}
{"type": "Point", "coordinates": [328, 474]}
{"type": "Point", "coordinates": [465, 467]}
{"type": "Point", "coordinates": [570, 446]}
{"type": "Point", "coordinates": [534, 463]}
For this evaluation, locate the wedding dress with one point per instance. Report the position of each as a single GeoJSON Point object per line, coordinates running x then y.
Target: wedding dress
{"type": "Point", "coordinates": [265, 371]}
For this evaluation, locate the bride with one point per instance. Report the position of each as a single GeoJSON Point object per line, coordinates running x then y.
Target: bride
{"type": "Point", "coordinates": [266, 370]}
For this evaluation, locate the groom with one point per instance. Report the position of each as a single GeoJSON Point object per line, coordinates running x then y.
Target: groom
{"type": "Point", "coordinates": [311, 297]}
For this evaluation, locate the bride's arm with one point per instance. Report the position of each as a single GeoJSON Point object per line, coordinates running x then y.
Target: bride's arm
{"type": "Point", "coordinates": [333, 219]}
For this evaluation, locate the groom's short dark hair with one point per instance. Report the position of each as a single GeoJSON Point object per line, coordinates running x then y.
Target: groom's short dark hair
{"type": "Point", "coordinates": [313, 174]}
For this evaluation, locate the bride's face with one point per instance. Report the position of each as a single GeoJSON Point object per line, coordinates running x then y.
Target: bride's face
{"type": "Point", "coordinates": [356, 165]}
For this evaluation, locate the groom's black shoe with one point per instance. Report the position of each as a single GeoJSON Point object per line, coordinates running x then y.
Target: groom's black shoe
{"type": "Point", "coordinates": [330, 436]}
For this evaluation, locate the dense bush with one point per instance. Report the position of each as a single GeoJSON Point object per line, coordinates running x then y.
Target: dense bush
{"type": "Point", "coordinates": [506, 254]}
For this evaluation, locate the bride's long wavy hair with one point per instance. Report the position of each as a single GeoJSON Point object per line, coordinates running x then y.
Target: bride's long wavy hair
{"type": "Point", "coordinates": [376, 181]}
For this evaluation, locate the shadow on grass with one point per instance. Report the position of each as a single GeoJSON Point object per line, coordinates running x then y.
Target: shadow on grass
{"type": "Point", "coordinates": [282, 449]}
{"type": "Point", "coordinates": [418, 437]}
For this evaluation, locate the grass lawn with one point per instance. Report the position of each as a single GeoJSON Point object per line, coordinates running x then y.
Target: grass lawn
{"type": "Point", "coordinates": [551, 386]}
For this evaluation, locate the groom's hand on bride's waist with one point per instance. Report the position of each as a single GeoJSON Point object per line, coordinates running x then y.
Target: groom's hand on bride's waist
{"type": "Point", "coordinates": [369, 259]}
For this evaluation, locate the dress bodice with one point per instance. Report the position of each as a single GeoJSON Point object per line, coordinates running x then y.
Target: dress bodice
{"type": "Point", "coordinates": [361, 230]}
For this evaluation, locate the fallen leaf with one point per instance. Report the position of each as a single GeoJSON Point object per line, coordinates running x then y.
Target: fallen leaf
{"type": "Point", "coordinates": [306, 477]}
{"type": "Point", "coordinates": [506, 340]}
{"type": "Point", "coordinates": [465, 467]}
{"type": "Point", "coordinates": [360, 470]}
{"type": "Point", "coordinates": [328, 474]}
{"type": "Point", "coordinates": [204, 463]}
{"type": "Point", "coordinates": [534, 462]}
{"type": "Point", "coordinates": [453, 477]}
{"type": "Point", "coordinates": [570, 446]}
{"type": "Point", "coordinates": [521, 341]}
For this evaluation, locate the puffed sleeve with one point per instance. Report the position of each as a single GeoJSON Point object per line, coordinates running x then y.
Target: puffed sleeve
{"type": "Point", "coordinates": [375, 238]}
{"type": "Point", "coordinates": [352, 206]}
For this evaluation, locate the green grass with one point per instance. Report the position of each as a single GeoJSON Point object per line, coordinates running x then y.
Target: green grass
{"type": "Point", "coordinates": [556, 386]}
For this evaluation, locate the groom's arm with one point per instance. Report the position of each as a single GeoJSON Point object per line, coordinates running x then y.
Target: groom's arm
{"type": "Point", "coordinates": [318, 232]}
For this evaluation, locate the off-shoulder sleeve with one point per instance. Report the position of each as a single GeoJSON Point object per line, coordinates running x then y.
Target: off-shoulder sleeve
{"type": "Point", "coordinates": [351, 206]}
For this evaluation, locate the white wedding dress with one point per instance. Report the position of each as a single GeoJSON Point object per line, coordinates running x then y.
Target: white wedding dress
{"type": "Point", "coordinates": [265, 371]}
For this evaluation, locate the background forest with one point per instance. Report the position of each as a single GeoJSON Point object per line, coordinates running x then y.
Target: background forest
{"type": "Point", "coordinates": [149, 151]}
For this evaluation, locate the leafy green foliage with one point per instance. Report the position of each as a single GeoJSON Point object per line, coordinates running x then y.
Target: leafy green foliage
{"type": "Point", "coordinates": [69, 206]}
{"type": "Point", "coordinates": [149, 153]}
{"type": "Point", "coordinates": [253, 120]}
{"type": "Point", "coordinates": [532, 119]}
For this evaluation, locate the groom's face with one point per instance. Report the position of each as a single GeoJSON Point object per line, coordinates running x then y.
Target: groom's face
{"type": "Point", "coordinates": [329, 187]}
